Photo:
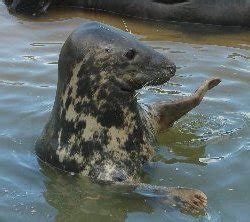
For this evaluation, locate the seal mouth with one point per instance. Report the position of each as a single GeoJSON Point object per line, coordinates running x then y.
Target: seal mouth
{"type": "Point", "coordinates": [156, 78]}
{"type": "Point", "coordinates": [127, 90]}
{"type": "Point", "coordinates": [125, 87]}
{"type": "Point", "coordinates": [143, 80]}
{"type": "Point", "coordinates": [163, 76]}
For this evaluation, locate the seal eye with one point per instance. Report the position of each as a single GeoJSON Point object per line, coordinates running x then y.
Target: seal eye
{"type": "Point", "coordinates": [130, 54]}
{"type": "Point", "coordinates": [107, 50]}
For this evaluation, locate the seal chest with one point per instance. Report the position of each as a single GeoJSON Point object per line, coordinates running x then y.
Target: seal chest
{"type": "Point", "coordinates": [97, 128]}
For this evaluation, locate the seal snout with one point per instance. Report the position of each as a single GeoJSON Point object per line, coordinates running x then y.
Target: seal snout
{"type": "Point", "coordinates": [165, 70]}
{"type": "Point", "coordinates": [163, 65]}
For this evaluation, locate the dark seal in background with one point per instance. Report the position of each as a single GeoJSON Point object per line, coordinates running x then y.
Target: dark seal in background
{"type": "Point", "coordinates": [217, 12]}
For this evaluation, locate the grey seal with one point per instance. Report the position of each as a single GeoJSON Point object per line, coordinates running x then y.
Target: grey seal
{"type": "Point", "coordinates": [218, 12]}
{"type": "Point", "coordinates": [97, 128]}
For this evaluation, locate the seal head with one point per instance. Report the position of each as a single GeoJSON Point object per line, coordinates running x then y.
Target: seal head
{"type": "Point", "coordinates": [96, 126]}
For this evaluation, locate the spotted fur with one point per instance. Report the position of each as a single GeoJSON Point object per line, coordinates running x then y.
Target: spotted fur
{"type": "Point", "coordinates": [97, 128]}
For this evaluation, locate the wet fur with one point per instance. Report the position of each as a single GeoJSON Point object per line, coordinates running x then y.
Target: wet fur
{"type": "Point", "coordinates": [96, 128]}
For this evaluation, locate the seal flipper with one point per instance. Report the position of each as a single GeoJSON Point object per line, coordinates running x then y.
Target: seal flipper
{"type": "Point", "coordinates": [168, 113]}
{"type": "Point", "coordinates": [188, 200]}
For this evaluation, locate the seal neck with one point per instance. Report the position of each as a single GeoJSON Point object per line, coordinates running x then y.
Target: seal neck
{"type": "Point", "coordinates": [98, 125]}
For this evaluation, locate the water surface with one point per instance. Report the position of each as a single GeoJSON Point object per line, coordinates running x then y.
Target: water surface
{"type": "Point", "coordinates": [208, 149]}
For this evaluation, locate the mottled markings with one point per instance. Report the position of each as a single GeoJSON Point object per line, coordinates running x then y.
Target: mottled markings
{"type": "Point", "coordinates": [80, 125]}
{"type": "Point", "coordinates": [101, 139]}
{"type": "Point", "coordinates": [98, 135]}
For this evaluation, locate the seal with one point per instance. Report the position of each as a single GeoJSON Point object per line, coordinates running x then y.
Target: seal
{"type": "Point", "coordinates": [97, 128]}
{"type": "Point", "coordinates": [218, 12]}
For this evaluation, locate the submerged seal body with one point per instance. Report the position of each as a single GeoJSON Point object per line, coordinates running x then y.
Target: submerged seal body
{"type": "Point", "coordinates": [97, 128]}
{"type": "Point", "coordinates": [219, 12]}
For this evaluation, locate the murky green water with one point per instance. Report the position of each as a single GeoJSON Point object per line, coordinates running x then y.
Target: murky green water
{"type": "Point", "coordinates": [208, 149]}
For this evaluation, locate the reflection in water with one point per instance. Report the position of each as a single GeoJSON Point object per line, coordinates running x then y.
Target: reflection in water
{"type": "Point", "coordinates": [179, 150]}
{"type": "Point", "coordinates": [187, 141]}
{"type": "Point", "coordinates": [79, 199]}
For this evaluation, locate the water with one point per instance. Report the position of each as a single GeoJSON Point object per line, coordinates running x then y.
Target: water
{"type": "Point", "coordinates": [208, 149]}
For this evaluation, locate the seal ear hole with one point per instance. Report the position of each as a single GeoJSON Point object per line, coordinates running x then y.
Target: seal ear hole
{"type": "Point", "coordinates": [130, 54]}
